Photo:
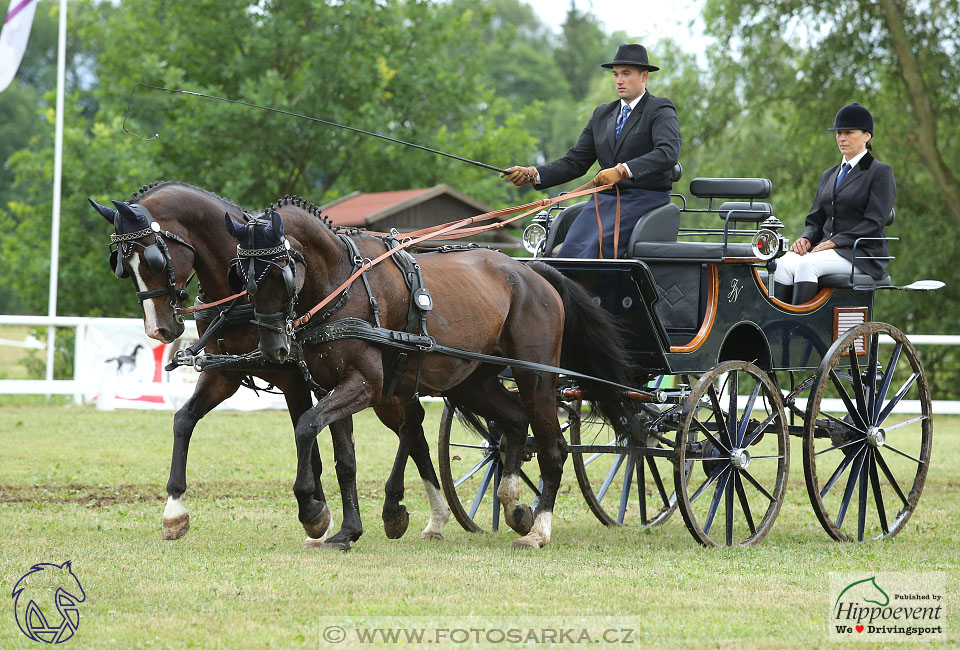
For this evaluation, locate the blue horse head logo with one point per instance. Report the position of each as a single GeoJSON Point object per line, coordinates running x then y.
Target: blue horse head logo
{"type": "Point", "coordinates": [46, 602]}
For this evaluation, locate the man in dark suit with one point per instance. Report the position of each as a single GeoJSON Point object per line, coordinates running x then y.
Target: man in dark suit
{"type": "Point", "coordinates": [854, 199]}
{"type": "Point", "coordinates": [636, 140]}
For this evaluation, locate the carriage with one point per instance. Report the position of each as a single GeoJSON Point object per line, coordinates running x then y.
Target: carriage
{"type": "Point", "coordinates": [732, 374]}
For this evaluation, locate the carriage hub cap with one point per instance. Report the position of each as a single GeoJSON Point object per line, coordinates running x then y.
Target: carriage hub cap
{"type": "Point", "coordinates": [740, 458]}
{"type": "Point", "coordinates": [876, 436]}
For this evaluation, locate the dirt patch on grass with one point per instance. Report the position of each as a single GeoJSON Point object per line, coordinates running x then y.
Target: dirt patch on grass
{"type": "Point", "coordinates": [100, 496]}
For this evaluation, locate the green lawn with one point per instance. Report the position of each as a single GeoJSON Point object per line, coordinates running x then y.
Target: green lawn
{"type": "Point", "coordinates": [88, 486]}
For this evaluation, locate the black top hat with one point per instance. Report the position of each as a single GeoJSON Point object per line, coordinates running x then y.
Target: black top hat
{"type": "Point", "coordinates": [631, 54]}
{"type": "Point", "coordinates": [853, 117]}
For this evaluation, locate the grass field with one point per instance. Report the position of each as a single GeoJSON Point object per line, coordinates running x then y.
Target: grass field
{"type": "Point", "coordinates": [88, 486]}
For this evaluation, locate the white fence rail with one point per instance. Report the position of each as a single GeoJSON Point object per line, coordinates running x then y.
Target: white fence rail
{"type": "Point", "coordinates": [95, 354]}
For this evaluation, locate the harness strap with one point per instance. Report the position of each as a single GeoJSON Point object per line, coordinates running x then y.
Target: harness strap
{"type": "Point", "coordinates": [535, 206]}
{"type": "Point", "coordinates": [357, 328]}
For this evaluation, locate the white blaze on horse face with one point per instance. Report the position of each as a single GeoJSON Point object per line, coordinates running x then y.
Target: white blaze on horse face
{"type": "Point", "coordinates": [150, 324]}
{"type": "Point", "coordinates": [439, 511]}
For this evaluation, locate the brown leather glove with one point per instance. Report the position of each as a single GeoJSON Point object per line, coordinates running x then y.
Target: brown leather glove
{"type": "Point", "coordinates": [609, 176]}
{"type": "Point", "coordinates": [521, 175]}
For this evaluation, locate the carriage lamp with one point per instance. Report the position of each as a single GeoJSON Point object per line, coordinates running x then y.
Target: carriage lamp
{"type": "Point", "coordinates": [534, 237]}
{"type": "Point", "coordinates": [767, 244]}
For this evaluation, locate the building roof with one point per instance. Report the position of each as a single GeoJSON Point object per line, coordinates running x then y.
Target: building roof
{"type": "Point", "coordinates": [365, 208]}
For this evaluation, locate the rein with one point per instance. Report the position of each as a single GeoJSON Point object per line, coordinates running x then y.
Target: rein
{"type": "Point", "coordinates": [426, 233]}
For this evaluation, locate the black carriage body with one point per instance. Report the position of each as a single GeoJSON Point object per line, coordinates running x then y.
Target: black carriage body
{"type": "Point", "coordinates": [687, 315]}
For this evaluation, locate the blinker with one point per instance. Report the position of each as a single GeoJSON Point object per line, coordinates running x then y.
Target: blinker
{"type": "Point", "coordinates": [116, 265]}
{"type": "Point", "coordinates": [154, 258]}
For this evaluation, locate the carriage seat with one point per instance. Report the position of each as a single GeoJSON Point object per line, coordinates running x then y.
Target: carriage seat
{"type": "Point", "coordinates": [660, 224]}
{"type": "Point", "coordinates": [694, 251]}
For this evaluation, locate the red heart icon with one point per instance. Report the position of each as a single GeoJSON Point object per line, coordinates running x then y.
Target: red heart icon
{"type": "Point", "coordinates": [859, 629]}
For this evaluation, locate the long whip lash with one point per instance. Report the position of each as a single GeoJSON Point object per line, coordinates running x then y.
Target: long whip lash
{"type": "Point", "coordinates": [282, 112]}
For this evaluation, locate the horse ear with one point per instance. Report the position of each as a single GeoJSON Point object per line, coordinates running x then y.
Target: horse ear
{"type": "Point", "coordinates": [277, 223]}
{"type": "Point", "coordinates": [129, 213]}
{"type": "Point", "coordinates": [104, 211]}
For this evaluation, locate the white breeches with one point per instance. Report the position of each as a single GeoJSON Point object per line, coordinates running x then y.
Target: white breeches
{"type": "Point", "coordinates": [808, 268]}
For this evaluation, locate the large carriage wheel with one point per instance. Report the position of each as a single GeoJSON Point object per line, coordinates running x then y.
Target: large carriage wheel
{"type": "Point", "coordinates": [471, 466]}
{"type": "Point", "coordinates": [732, 456]}
{"type": "Point", "coordinates": [622, 487]}
{"type": "Point", "coordinates": [857, 446]}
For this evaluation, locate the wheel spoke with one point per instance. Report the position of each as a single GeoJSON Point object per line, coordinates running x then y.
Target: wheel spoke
{"type": "Point", "coordinates": [710, 479]}
{"type": "Point", "coordinates": [732, 480]}
{"type": "Point", "coordinates": [833, 418]}
{"type": "Point", "coordinates": [482, 490]}
{"type": "Point", "coordinates": [760, 429]}
{"type": "Point", "coordinates": [886, 472]}
{"type": "Point", "coordinates": [887, 378]}
{"type": "Point", "coordinates": [705, 431]}
{"type": "Point", "coordinates": [747, 412]}
{"type": "Point", "coordinates": [715, 502]}
{"type": "Point", "coordinates": [878, 494]}
{"type": "Point", "coordinates": [862, 506]}
{"type": "Point", "coordinates": [892, 404]}
{"type": "Point", "coordinates": [872, 375]}
{"type": "Point", "coordinates": [591, 459]}
{"type": "Point", "coordinates": [745, 505]}
{"type": "Point", "coordinates": [460, 444]}
{"type": "Point", "coordinates": [756, 484]}
{"type": "Point", "coordinates": [857, 381]}
{"type": "Point", "coordinates": [756, 457]}
{"type": "Point", "coordinates": [733, 385]}
{"type": "Point", "coordinates": [846, 444]}
{"type": "Point", "coordinates": [851, 409]}
{"type": "Point", "coordinates": [837, 472]}
{"type": "Point", "coordinates": [497, 475]}
{"type": "Point", "coordinates": [625, 490]}
{"type": "Point", "coordinates": [656, 479]}
{"type": "Point", "coordinates": [473, 470]}
{"type": "Point", "coordinates": [718, 415]}
{"type": "Point", "coordinates": [610, 475]}
{"type": "Point", "coordinates": [642, 491]}
{"type": "Point", "coordinates": [905, 423]}
{"type": "Point", "coordinates": [526, 479]}
{"type": "Point", "coordinates": [897, 451]}
{"type": "Point", "coordinates": [851, 484]}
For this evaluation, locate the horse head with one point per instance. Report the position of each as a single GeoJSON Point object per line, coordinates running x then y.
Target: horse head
{"type": "Point", "coordinates": [272, 273]}
{"type": "Point", "coordinates": [139, 249]}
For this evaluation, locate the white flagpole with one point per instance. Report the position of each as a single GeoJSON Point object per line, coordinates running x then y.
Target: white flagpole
{"type": "Point", "coordinates": [57, 174]}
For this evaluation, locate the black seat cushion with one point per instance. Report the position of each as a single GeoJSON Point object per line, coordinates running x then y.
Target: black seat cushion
{"type": "Point", "coordinates": [842, 280]}
{"type": "Point", "coordinates": [692, 250]}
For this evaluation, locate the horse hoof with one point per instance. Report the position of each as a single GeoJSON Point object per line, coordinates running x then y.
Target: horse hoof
{"type": "Point", "coordinates": [527, 543]}
{"type": "Point", "coordinates": [520, 519]}
{"type": "Point", "coordinates": [431, 535]}
{"type": "Point", "coordinates": [395, 528]}
{"type": "Point", "coordinates": [319, 527]}
{"type": "Point", "coordinates": [311, 544]}
{"type": "Point", "coordinates": [177, 527]}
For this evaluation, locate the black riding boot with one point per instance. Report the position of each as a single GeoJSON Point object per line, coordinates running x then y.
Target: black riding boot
{"type": "Point", "coordinates": [783, 292]}
{"type": "Point", "coordinates": [803, 292]}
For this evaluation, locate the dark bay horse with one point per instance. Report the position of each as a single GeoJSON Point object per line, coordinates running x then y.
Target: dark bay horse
{"type": "Point", "coordinates": [191, 221]}
{"type": "Point", "coordinates": [483, 301]}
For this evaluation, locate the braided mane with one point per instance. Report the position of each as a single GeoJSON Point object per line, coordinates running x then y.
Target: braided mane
{"type": "Point", "coordinates": [147, 190]}
{"type": "Point", "coordinates": [313, 209]}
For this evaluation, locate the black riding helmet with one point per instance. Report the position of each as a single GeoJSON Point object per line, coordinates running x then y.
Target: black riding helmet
{"type": "Point", "coordinates": [853, 117]}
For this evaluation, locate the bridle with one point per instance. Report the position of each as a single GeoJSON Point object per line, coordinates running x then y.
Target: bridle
{"type": "Point", "coordinates": [156, 255]}
{"type": "Point", "coordinates": [282, 257]}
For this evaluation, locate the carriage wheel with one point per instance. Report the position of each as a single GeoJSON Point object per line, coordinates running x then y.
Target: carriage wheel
{"type": "Point", "coordinates": [732, 456]}
{"type": "Point", "coordinates": [471, 466]}
{"type": "Point", "coordinates": [856, 447]}
{"type": "Point", "coordinates": [621, 487]}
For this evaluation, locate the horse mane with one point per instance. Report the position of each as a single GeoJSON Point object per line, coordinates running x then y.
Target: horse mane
{"type": "Point", "coordinates": [315, 210]}
{"type": "Point", "coordinates": [156, 186]}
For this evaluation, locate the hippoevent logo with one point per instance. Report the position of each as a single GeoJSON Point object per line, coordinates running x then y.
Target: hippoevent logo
{"type": "Point", "coordinates": [887, 607]}
{"type": "Point", "coordinates": [46, 602]}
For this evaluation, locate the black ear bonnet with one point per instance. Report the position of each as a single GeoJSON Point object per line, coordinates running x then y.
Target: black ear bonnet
{"type": "Point", "coordinates": [261, 245]}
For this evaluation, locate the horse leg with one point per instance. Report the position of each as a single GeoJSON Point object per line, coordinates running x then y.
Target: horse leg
{"type": "Point", "coordinates": [538, 392]}
{"type": "Point", "coordinates": [490, 400]}
{"type": "Point", "coordinates": [211, 390]}
{"type": "Point", "coordinates": [350, 396]}
{"type": "Point", "coordinates": [407, 422]}
{"type": "Point", "coordinates": [345, 459]}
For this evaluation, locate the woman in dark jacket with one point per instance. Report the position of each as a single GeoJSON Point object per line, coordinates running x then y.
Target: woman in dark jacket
{"type": "Point", "coordinates": [854, 200]}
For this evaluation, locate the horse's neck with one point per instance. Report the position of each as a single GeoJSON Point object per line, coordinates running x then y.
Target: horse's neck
{"type": "Point", "coordinates": [329, 262]}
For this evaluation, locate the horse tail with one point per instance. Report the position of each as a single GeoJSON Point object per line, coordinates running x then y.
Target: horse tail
{"type": "Point", "coordinates": [594, 343]}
